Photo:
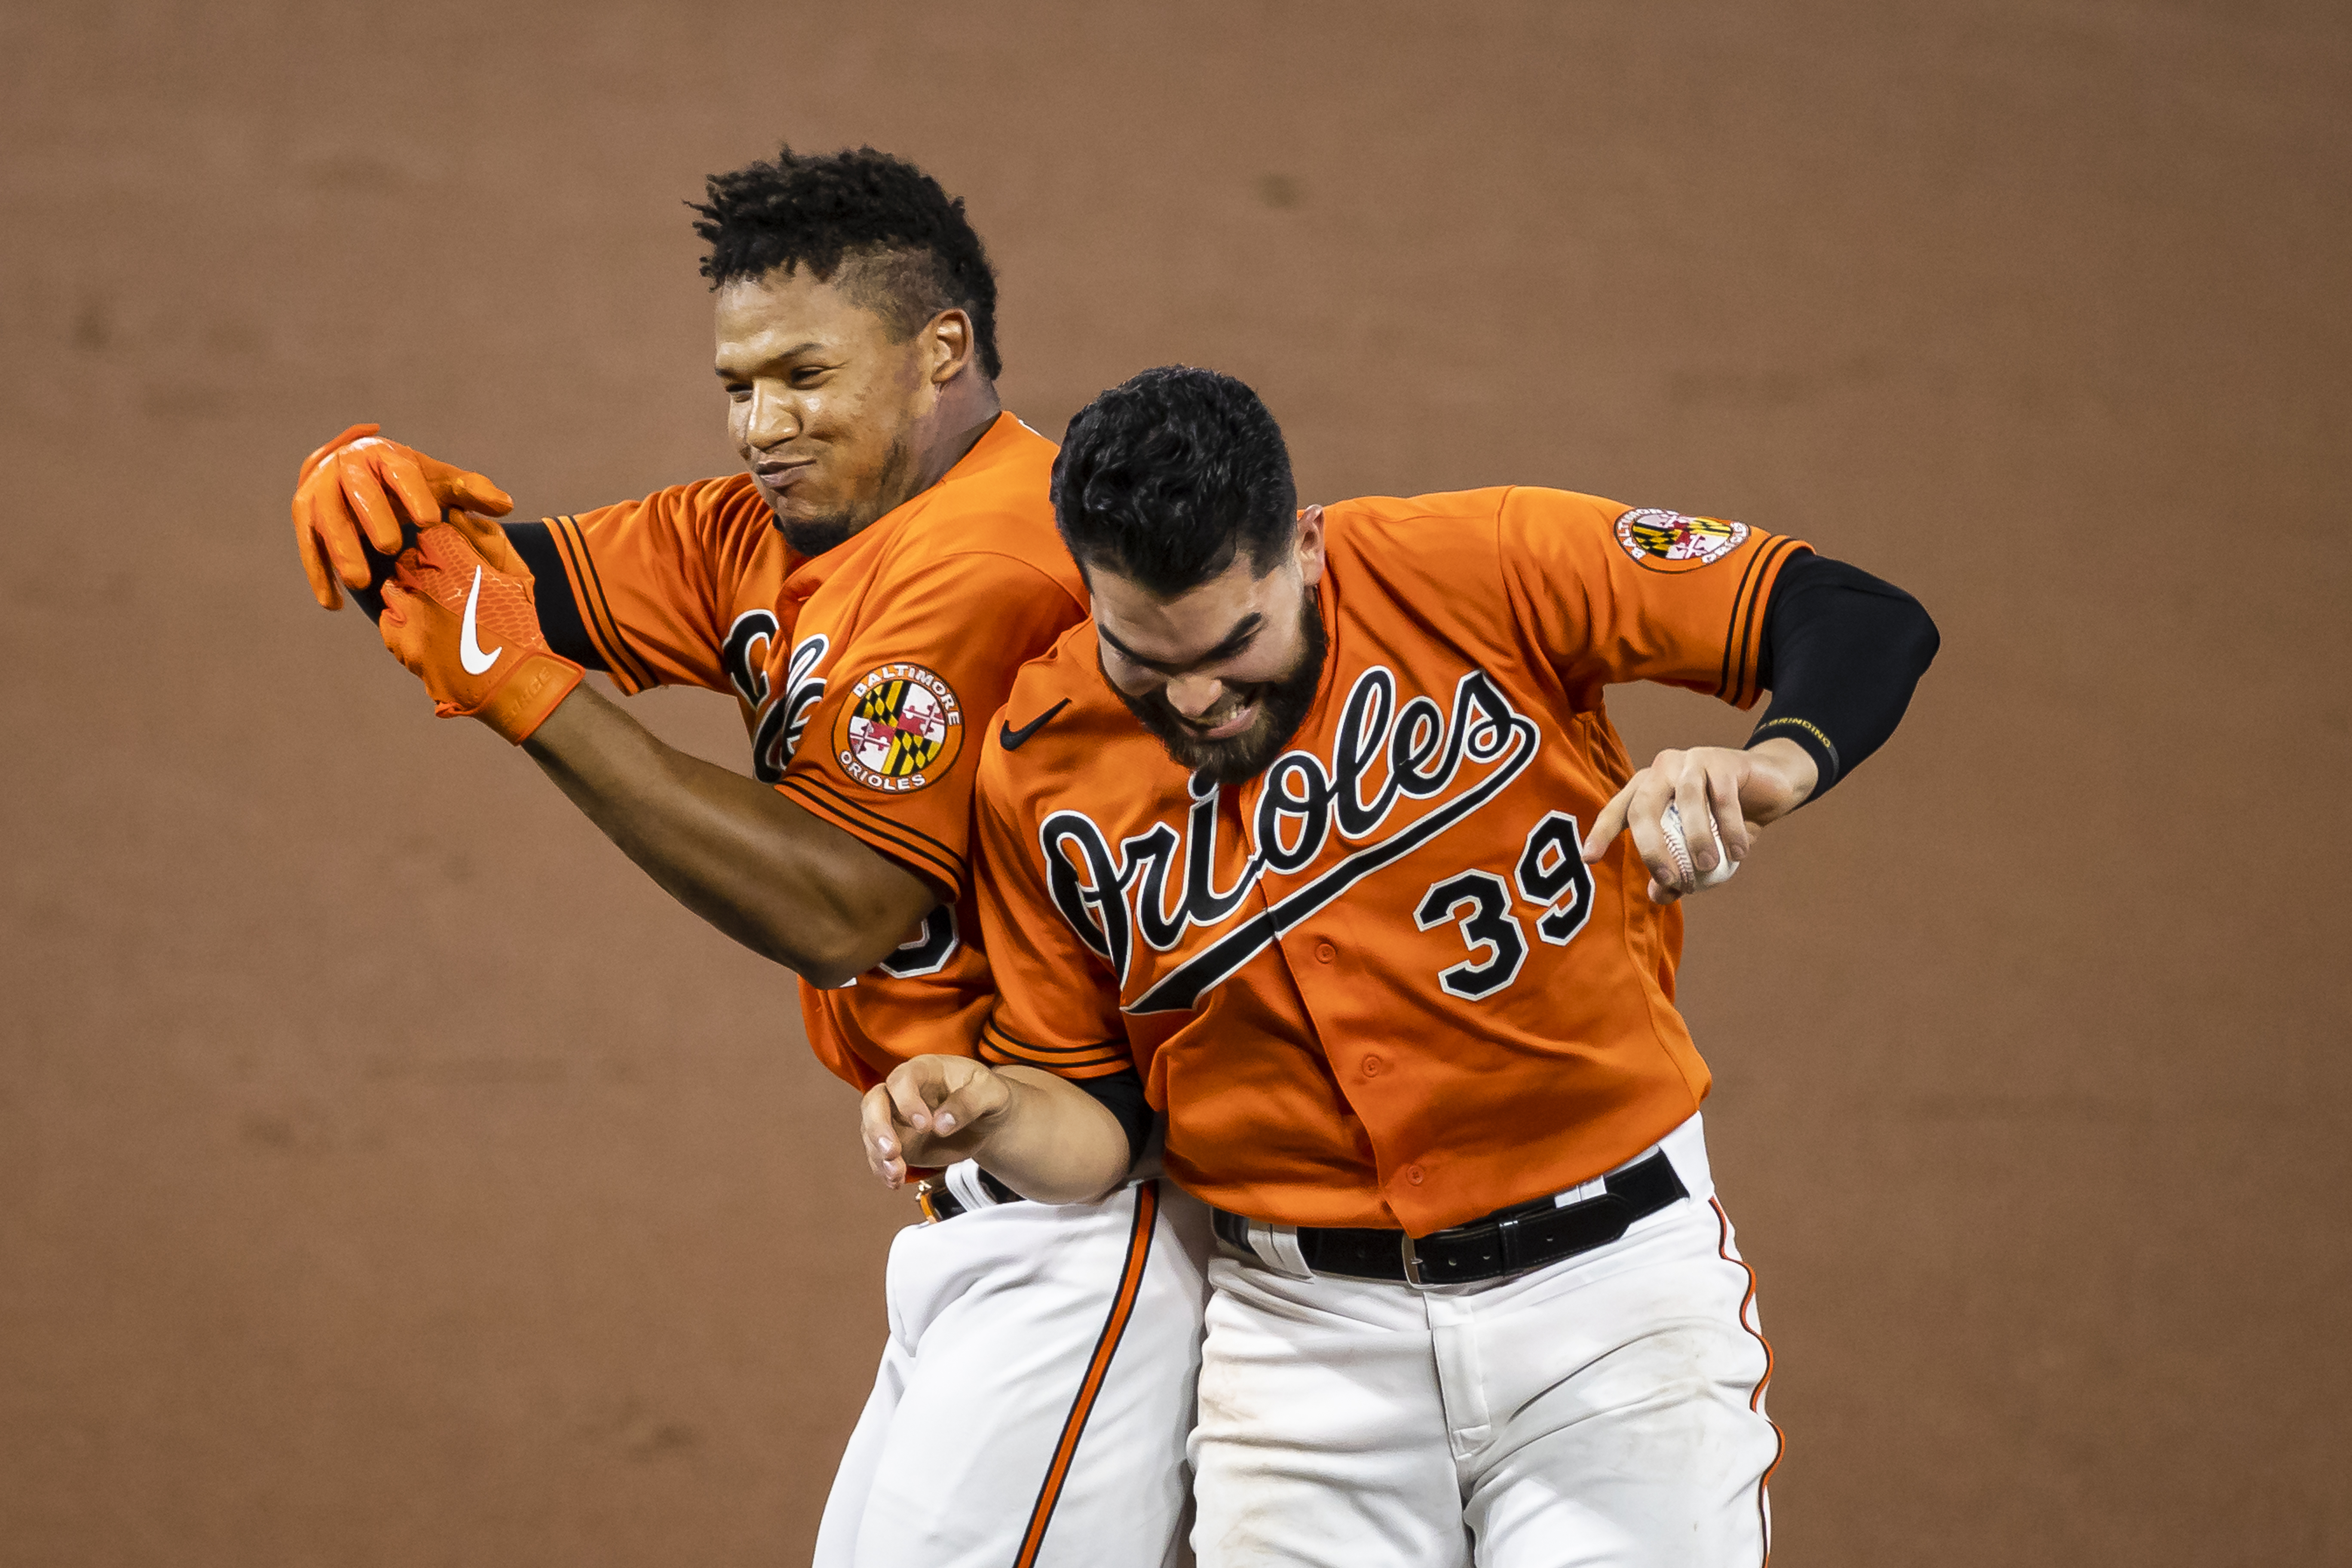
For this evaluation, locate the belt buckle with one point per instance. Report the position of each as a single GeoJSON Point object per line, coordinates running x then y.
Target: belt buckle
{"type": "Point", "coordinates": [1411, 1261]}
{"type": "Point", "coordinates": [923, 1191]}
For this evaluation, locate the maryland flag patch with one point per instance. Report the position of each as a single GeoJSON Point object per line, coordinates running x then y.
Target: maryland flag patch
{"type": "Point", "coordinates": [1669, 542]}
{"type": "Point", "coordinates": [900, 730]}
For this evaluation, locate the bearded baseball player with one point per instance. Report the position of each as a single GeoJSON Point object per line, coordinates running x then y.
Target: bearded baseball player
{"type": "Point", "coordinates": [1321, 825]}
{"type": "Point", "coordinates": [866, 591]}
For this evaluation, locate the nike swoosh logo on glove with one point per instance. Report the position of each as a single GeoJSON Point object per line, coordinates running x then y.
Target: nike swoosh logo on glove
{"type": "Point", "coordinates": [1011, 740]}
{"type": "Point", "coordinates": [469, 651]}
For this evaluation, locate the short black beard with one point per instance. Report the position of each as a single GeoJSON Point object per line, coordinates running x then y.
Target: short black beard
{"type": "Point", "coordinates": [812, 536]}
{"type": "Point", "coordinates": [1281, 708]}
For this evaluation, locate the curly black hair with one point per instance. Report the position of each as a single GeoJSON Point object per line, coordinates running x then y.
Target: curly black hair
{"type": "Point", "coordinates": [908, 249]}
{"type": "Point", "coordinates": [1170, 475]}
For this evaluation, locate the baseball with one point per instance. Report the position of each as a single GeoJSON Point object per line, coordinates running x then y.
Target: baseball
{"type": "Point", "coordinates": [1686, 877]}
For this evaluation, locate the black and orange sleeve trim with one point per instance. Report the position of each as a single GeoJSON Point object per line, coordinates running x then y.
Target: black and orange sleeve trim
{"type": "Point", "coordinates": [1074, 1425]}
{"type": "Point", "coordinates": [1743, 636]}
{"type": "Point", "coordinates": [999, 1046]}
{"type": "Point", "coordinates": [628, 671]}
{"type": "Point", "coordinates": [553, 595]}
{"type": "Point", "coordinates": [909, 847]}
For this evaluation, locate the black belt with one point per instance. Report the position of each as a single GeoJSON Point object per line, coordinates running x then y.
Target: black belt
{"type": "Point", "coordinates": [940, 1201]}
{"type": "Point", "coordinates": [1509, 1241]}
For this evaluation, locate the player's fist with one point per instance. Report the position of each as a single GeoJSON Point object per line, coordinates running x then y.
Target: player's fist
{"type": "Point", "coordinates": [930, 1112]}
{"type": "Point", "coordinates": [1720, 799]}
{"type": "Point", "coordinates": [458, 611]}
{"type": "Point", "coordinates": [355, 493]}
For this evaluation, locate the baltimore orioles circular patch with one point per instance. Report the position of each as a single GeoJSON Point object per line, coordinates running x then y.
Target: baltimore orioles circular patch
{"type": "Point", "coordinates": [900, 730]}
{"type": "Point", "coordinates": [1669, 542]}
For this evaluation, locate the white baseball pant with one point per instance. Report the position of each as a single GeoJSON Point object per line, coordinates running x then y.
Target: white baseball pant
{"type": "Point", "coordinates": [1037, 1389]}
{"type": "Point", "coordinates": [1605, 1410]}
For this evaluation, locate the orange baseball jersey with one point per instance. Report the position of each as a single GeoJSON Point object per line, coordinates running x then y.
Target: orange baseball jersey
{"type": "Point", "coordinates": [862, 674]}
{"type": "Point", "coordinates": [1377, 985]}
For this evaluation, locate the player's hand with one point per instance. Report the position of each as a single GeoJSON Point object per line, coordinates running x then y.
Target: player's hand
{"type": "Point", "coordinates": [458, 611]}
{"type": "Point", "coordinates": [930, 1112]}
{"type": "Point", "coordinates": [1740, 792]}
{"type": "Point", "coordinates": [358, 489]}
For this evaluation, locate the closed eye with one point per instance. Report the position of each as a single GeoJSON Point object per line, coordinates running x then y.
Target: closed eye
{"type": "Point", "coordinates": [1232, 647]}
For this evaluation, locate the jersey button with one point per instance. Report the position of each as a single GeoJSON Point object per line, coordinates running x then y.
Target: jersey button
{"type": "Point", "coordinates": [1324, 952]}
{"type": "Point", "coordinates": [1412, 1173]}
{"type": "Point", "coordinates": [1372, 1067]}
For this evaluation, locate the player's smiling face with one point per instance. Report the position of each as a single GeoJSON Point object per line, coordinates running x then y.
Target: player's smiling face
{"type": "Point", "coordinates": [825, 409]}
{"type": "Point", "coordinates": [1224, 673]}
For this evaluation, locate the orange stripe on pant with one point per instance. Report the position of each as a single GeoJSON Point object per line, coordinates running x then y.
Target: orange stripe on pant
{"type": "Point", "coordinates": [1755, 1400]}
{"type": "Point", "coordinates": [1122, 1307]}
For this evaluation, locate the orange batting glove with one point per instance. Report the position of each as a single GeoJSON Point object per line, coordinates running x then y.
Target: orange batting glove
{"type": "Point", "coordinates": [353, 494]}
{"type": "Point", "coordinates": [458, 610]}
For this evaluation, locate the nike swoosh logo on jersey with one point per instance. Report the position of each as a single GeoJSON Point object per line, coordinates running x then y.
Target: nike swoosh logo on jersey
{"type": "Point", "coordinates": [469, 651]}
{"type": "Point", "coordinates": [1014, 740]}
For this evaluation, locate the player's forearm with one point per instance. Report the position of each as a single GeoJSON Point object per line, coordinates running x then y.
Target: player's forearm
{"type": "Point", "coordinates": [1053, 1143]}
{"type": "Point", "coordinates": [1842, 653]}
{"type": "Point", "coordinates": [785, 883]}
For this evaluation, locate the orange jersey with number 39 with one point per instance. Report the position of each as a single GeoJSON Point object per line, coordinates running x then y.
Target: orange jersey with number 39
{"type": "Point", "coordinates": [862, 675]}
{"type": "Point", "coordinates": [1377, 985]}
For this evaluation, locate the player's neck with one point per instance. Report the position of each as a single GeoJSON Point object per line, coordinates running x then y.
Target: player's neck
{"type": "Point", "coordinates": [965, 412]}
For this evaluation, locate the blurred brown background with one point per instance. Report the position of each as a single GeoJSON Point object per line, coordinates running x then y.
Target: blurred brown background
{"type": "Point", "coordinates": [389, 1174]}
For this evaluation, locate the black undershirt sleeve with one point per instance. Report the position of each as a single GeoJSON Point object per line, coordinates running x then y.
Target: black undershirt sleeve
{"type": "Point", "coordinates": [1843, 652]}
{"type": "Point", "coordinates": [558, 613]}
{"type": "Point", "coordinates": [1121, 1094]}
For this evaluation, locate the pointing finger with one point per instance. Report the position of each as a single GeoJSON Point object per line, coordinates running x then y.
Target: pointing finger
{"type": "Point", "coordinates": [1607, 826]}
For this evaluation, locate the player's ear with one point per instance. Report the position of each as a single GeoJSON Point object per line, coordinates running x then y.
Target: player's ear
{"type": "Point", "coordinates": [948, 341]}
{"type": "Point", "coordinates": [1308, 546]}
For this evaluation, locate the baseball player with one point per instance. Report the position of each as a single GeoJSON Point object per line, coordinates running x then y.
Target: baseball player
{"type": "Point", "coordinates": [1319, 823]}
{"type": "Point", "coordinates": [866, 591]}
